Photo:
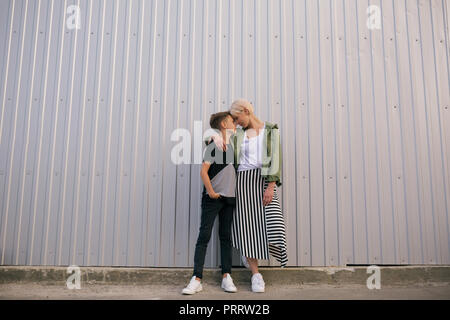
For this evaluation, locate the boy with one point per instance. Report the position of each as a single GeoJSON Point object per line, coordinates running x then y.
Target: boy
{"type": "Point", "coordinates": [218, 198]}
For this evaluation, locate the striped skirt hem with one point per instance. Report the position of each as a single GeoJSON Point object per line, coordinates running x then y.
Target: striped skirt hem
{"type": "Point", "coordinates": [258, 231]}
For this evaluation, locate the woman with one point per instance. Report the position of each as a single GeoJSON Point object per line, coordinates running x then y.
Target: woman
{"type": "Point", "coordinates": [258, 225]}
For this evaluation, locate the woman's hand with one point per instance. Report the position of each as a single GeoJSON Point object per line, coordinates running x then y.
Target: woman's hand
{"type": "Point", "coordinates": [220, 143]}
{"type": "Point", "coordinates": [268, 194]}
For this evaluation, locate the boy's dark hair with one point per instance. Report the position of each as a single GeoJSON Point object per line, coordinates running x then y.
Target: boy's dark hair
{"type": "Point", "coordinates": [217, 118]}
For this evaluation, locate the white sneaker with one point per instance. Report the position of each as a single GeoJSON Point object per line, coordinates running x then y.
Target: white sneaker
{"type": "Point", "coordinates": [245, 262]}
{"type": "Point", "coordinates": [258, 284]}
{"type": "Point", "coordinates": [228, 285]}
{"type": "Point", "coordinates": [194, 286]}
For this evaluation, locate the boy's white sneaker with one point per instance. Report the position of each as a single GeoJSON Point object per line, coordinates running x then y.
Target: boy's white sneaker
{"type": "Point", "coordinates": [194, 286]}
{"type": "Point", "coordinates": [228, 285]}
{"type": "Point", "coordinates": [258, 284]}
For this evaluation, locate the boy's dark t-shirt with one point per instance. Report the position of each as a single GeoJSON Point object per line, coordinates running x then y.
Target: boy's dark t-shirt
{"type": "Point", "coordinates": [221, 172]}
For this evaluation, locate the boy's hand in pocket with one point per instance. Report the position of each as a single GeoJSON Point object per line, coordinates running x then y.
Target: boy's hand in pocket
{"type": "Point", "coordinates": [214, 195]}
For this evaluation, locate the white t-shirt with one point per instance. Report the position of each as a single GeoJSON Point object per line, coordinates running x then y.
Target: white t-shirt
{"type": "Point", "coordinates": [251, 151]}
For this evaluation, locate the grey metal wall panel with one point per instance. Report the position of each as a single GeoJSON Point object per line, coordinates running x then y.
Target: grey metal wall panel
{"type": "Point", "coordinates": [87, 117]}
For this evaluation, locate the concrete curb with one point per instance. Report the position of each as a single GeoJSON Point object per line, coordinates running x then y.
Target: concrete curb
{"type": "Point", "coordinates": [395, 276]}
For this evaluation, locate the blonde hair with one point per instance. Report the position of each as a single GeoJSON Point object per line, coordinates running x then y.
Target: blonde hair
{"type": "Point", "coordinates": [239, 105]}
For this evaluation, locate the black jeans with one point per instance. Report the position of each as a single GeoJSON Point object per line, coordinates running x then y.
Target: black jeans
{"type": "Point", "coordinates": [223, 207]}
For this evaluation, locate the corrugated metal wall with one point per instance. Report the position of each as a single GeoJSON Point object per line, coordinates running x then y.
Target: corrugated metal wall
{"type": "Point", "coordinates": [86, 176]}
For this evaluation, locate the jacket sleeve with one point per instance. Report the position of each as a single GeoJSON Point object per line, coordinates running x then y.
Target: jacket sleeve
{"type": "Point", "coordinates": [276, 158]}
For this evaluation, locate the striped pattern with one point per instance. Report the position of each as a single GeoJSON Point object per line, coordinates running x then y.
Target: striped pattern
{"type": "Point", "coordinates": [257, 230]}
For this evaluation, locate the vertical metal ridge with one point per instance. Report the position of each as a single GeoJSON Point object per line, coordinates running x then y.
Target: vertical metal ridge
{"type": "Point", "coordinates": [428, 138]}
{"type": "Point", "coordinates": [111, 99]}
{"type": "Point", "coordinates": [178, 40]}
{"type": "Point", "coordinates": [14, 131]}
{"type": "Point", "coordinates": [49, 204]}
{"type": "Point", "coordinates": [163, 95]}
{"type": "Point", "coordinates": [154, 13]}
{"type": "Point", "coordinates": [96, 134]}
{"type": "Point", "coordinates": [191, 99]}
{"type": "Point", "coordinates": [81, 138]}
{"type": "Point", "coordinates": [6, 75]}
{"type": "Point", "coordinates": [439, 122]}
{"type": "Point", "coordinates": [321, 137]}
{"type": "Point", "coordinates": [124, 117]}
{"type": "Point", "coordinates": [375, 135]}
{"type": "Point", "coordinates": [349, 135]}
{"type": "Point", "coordinates": [400, 104]}
{"type": "Point", "coordinates": [67, 145]}
{"type": "Point", "coordinates": [415, 139]}
{"type": "Point", "coordinates": [336, 166]}
{"type": "Point", "coordinates": [362, 133]}
{"type": "Point", "coordinates": [27, 135]}
{"type": "Point", "coordinates": [141, 32]}
{"type": "Point", "coordinates": [295, 97]}
{"type": "Point", "coordinates": [388, 134]}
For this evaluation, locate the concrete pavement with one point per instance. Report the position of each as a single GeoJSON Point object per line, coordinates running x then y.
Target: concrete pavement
{"type": "Point", "coordinates": [399, 282]}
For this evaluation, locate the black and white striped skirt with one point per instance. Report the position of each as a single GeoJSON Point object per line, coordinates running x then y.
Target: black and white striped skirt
{"type": "Point", "coordinates": [258, 230]}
